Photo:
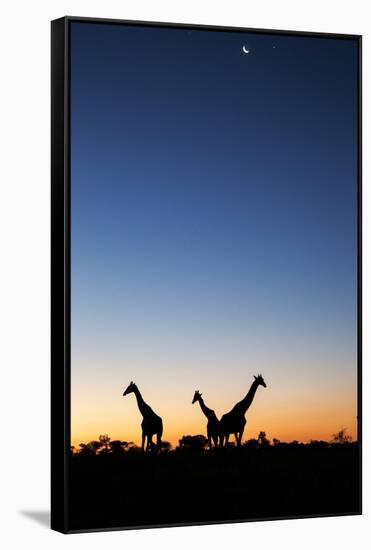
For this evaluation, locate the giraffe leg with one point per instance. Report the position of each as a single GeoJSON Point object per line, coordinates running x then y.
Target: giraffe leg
{"type": "Point", "coordinates": [143, 441]}
{"type": "Point", "coordinates": [226, 439]}
{"type": "Point", "coordinates": [236, 438]}
{"type": "Point", "coordinates": [149, 443]}
{"type": "Point", "coordinates": [209, 439]}
{"type": "Point", "coordinates": [240, 437]}
{"type": "Point", "coordinates": [158, 440]}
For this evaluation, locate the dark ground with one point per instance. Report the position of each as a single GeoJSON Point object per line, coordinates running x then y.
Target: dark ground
{"type": "Point", "coordinates": [226, 484]}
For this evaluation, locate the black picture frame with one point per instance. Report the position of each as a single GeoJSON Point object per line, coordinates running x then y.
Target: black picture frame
{"type": "Point", "coordinates": [61, 263]}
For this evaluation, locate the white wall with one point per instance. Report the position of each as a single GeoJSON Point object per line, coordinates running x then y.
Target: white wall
{"type": "Point", "coordinates": [24, 288]}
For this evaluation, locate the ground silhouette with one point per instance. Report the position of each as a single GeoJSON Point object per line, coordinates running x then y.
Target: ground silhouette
{"type": "Point", "coordinates": [115, 484]}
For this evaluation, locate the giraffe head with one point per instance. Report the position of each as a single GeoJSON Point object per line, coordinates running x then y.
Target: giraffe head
{"type": "Point", "coordinates": [131, 387]}
{"type": "Point", "coordinates": [260, 380]}
{"type": "Point", "coordinates": [196, 397]}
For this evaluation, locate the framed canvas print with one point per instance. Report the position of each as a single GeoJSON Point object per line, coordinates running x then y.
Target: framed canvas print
{"type": "Point", "coordinates": [206, 274]}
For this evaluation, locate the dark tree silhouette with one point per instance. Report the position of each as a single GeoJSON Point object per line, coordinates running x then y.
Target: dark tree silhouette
{"type": "Point", "coordinates": [117, 447]}
{"type": "Point", "coordinates": [263, 441]}
{"type": "Point", "coordinates": [89, 449]}
{"type": "Point", "coordinates": [341, 437]}
{"type": "Point", "coordinates": [165, 446]}
{"type": "Point", "coordinates": [193, 442]}
{"type": "Point", "coordinates": [133, 449]}
{"type": "Point", "coordinates": [104, 440]}
{"type": "Point", "coordinates": [251, 444]}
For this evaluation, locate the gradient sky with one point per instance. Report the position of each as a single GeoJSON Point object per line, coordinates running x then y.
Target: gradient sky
{"type": "Point", "coordinates": [213, 229]}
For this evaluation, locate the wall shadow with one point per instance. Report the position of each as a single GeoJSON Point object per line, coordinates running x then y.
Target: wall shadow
{"type": "Point", "coordinates": [42, 517]}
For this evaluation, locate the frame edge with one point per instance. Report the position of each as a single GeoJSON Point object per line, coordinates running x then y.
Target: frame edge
{"type": "Point", "coordinates": [59, 278]}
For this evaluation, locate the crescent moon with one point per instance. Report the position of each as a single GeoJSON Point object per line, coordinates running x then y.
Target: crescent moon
{"type": "Point", "coordinates": [245, 50]}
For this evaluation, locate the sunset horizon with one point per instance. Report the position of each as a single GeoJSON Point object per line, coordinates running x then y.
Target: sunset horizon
{"type": "Point", "coordinates": [272, 417]}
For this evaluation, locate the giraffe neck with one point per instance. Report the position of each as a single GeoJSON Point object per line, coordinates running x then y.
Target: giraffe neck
{"type": "Point", "coordinates": [207, 412]}
{"type": "Point", "coordinates": [142, 405]}
{"type": "Point", "coordinates": [248, 399]}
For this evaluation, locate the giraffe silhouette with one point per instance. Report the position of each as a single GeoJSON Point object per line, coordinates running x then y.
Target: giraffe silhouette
{"type": "Point", "coordinates": [212, 420]}
{"type": "Point", "coordinates": [234, 421]}
{"type": "Point", "coordinates": [151, 424]}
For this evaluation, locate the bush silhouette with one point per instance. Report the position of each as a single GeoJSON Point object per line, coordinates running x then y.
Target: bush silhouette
{"type": "Point", "coordinates": [90, 449]}
{"type": "Point", "coordinates": [341, 437]}
{"type": "Point", "coordinates": [263, 441]}
{"type": "Point", "coordinates": [165, 446]}
{"type": "Point", "coordinates": [118, 447]}
{"type": "Point", "coordinates": [104, 441]}
{"type": "Point", "coordinates": [193, 442]}
{"type": "Point", "coordinates": [251, 444]}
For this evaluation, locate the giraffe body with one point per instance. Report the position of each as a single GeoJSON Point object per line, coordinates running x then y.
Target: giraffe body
{"type": "Point", "coordinates": [234, 421]}
{"type": "Point", "coordinates": [212, 426]}
{"type": "Point", "coordinates": [151, 423]}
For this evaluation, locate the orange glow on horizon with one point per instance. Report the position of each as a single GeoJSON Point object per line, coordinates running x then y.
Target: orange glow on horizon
{"type": "Point", "coordinates": [285, 417]}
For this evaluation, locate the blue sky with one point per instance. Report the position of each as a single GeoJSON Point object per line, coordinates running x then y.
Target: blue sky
{"type": "Point", "coordinates": [213, 211]}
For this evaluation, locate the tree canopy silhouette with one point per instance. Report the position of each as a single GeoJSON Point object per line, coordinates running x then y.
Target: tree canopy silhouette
{"type": "Point", "coordinates": [193, 442]}
{"type": "Point", "coordinates": [341, 437]}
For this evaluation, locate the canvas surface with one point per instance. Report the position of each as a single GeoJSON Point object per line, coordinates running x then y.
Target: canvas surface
{"type": "Point", "coordinates": [214, 263]}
